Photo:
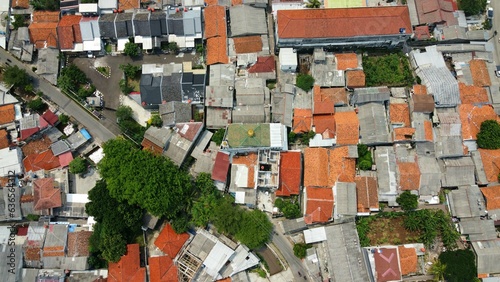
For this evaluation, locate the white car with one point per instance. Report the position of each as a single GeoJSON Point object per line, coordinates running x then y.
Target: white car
{"type": "Point", "coordinates": [489, 13]}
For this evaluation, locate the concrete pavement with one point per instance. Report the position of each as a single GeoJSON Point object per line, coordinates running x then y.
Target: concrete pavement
{"type": "Point", "coordinates": [99, 132]}
{"type": "Point", "coordinates": [285, 248]}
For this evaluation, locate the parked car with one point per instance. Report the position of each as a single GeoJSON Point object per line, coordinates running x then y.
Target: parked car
{"type": "Point", "coordinates": [489, 14]}
{"type": "Point", "coordinates": [497, 71]}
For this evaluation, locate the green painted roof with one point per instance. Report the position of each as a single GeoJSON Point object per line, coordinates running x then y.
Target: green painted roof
{"type": "Point", "coordinates": [248, 135]}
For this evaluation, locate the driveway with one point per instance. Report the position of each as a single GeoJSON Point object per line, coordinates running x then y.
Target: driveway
{"type": "Point", "coordinates": [110, 86]}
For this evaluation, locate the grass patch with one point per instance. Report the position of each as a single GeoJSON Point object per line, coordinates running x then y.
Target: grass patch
{"type": "Point", "coordinates": [106, 71]}
{"type": "Point", "coordinates": [107, 48]}
{"type": "Point", "coordinates": [134, 84]}
{"type": "Point", "coordinates": [388, 70]}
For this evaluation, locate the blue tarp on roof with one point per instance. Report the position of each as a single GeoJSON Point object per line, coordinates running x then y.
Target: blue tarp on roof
{"type": "Point", "coordinates": [85, 134]}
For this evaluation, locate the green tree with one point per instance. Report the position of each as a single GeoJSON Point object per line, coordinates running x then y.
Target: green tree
{"type": "Point", "coordinates": [45, 5]}
{"type": "Point", "coordinates": [304, 82]}
{"type": "Point", "coordinates": [407, 201]}
{"type": "Point", "coordinates": [130, 70]}
{"type": "Point", "coordinates": [37, 105]}
{"type": "Point", "coordinates": [312, 4]}
{"type": "Point", "coordinates": [438, 269]}
{"type": "Point", "coordinates": [289, 209]}
{"type": "Point", "coordinates": [203, 210]}
{"type": "Point", "coordinates": [64, 119]}
{"type": "Point", "coordinates": [255, 229]}
{"type": "Point", "coordinates": [173, 47]}
{"type": "Point", "coordinates": [460, 265]}
{"type": "Point", "coordinates": [488, 136]}
{"type": "Point", "coordinates": [78, 165]}
{"type": "Point", "coordinates": [124, 112]}
{"type": "Point", "coordinates": [114, 246]}
{"type": "Point", "coordinates": [124, 87]}
{"type": "Point", "coordinates": [472, 7]}
{"type": "Point", "coordinates": [300, 250]}
{"type": "Point", "coordinates": [71, 78]}
{"type": "Point", "coordinates": [131, 49]}
{"type": "Point", "coordinates": [86, 91]}
{"type": "Point", "coordinates": [219, 136]}
{"type": "Point", "coordinates": [365, 160]}
{"type": "Point", "coordinates": [412, 221]}
{"type": "Point", "coordinates": [155, 120]}
{"type": "Point", "coordinates": [19, 21]}
{"type": "Point", "coordinates": [16, 77]}
{"type": "Point", "coordinates": [227, 217]}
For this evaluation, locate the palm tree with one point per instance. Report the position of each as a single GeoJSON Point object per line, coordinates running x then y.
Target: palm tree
{"type": "Point", "coordinates": [438, 269]}
{"type": "Point", "coordinates": [313, 4]}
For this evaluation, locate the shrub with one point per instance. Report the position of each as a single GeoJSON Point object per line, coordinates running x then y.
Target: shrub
{"type": "Point", "coordinates": [365, 160]}
{"type": "Point", "coordinates": [460, 265]}
{"type": "Point", "coordinates": [37, 105]}
{"type": "Point", "coordinates": [300, 250]}
{"type": "Point", "coordinates": [63, 118]}
{"type": "Point", "coordinates": [304, 82]}
{"type": "Point", "coordinates": [78, 165]}
{"type": "Point", "coordinates": [407, 201]}
{"type": "Point", "coordinates": [219, 136]}
{"type": "Point", "coordinates": [488, 136]}
{"type": "Point", "coordinates": [131, 49]}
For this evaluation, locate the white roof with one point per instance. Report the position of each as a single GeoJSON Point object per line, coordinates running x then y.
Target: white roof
{"type": "Point", "coordinates": [88, 8]}
{"type": "Point", "coordinates": [288, 57]}
{"type": "Point", "coordinates": [108, 4]}
{"type": "Point", "coordinates": [97, 156]}
{"type": "Point", "coordinates": [277, 136]}
{"type": "Point", "coordinates": [92, 45]}
{"type": "Point", "coordinates": [239, 197]}
{"type": "Point", "coordinates": [216, 259]}
{"type": "Point", "coordinates": [241, 178]}
{"type": "Point", "coordinates": [77, 198]}
{"type": "Point", "coordinates": [121, 44]}
{"type": "Point", "coordinates": [315, 235]}
{"type": "Point", "coordinates": [10, 160]}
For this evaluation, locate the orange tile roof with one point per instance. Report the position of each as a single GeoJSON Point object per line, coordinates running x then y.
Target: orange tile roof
{"type": "Point", "coordinates": [128, 268]}
{"type": "Point", "coordinates": [342, 168]}
{"type": "Point", "coordinates": [217, 50]}
{"type": "Point", "coordinates": [403, 133]}
{"type": "Point", "coordinates": [429, 135]}
{"type": "Point", "coordinates": [472, 116]}
{"type": "Point", "coordinates": [215, 21]}
{"type": "Point", "coordinates": [211, 3]}
{"type": "Point", "coordinates": [346, 61]}
{"type": "Point", "coordinates": [68, 31]}
{"type": "Point", "coordinates": [419, 89]}
{"type": "Point", "coordinates": [407, 260]}
{"type": "Point", "coordinates": [43, 34]}
{"type": "Point", "coordinates": [355, 78]}
{"type": "Point", "coordinates": [250, 161]}
{"type": "Point", "coordinates": [400, 113]}
{"type": "Point", "coordinates": [347, 128]}
{"type": "Point", "coordinates": [45, 160]}
{"type": "Point", "coordinates": [46, 16]}
{"type": "Point", "coordinates": [128, 4]}
{"type": "Point", "coordinates": [302, 120]}
{"type": "Point", "coordinates": [479, 71]}
{"type": "Point", "coordinates": [491, 163]}
{"type": "Point", "coordinates": [366, 193]}
{"type": "Point", "coordinates": [265, 64]}
{"type": "Point", "coordinates": [162, 269]}
{"type": "Point", "coordinates": [290, 174]}
{"type": "Point", "coordinates": [324, 125]}
{"type": "Point", "coordinates": [325, 99]}
{"type": "Point", "coordinates": [247, 44]}
{"type": "Point", "coordinates": [319, 205]}
{"type": "Point", "coordinates": [7, 114]}
{"type": "Point", "coordinates": [335, 23]}
{"type": "Point", "coordinates": [236, 2]}
{"type": "Point", "coordinates": [46, 196]}
{"type": "Point", "coordinates": [470, 94]}
{"type": "Point", "coordinates": [169, 242]}
{"type": "Point", "coordinates": [4, 141]}
{"type": "Point", "coordinates": [21, 4]}
{"type": "Point", "coordinates": [37, 146]}
{"type": "Point", "coordinates": [409, 175]}
{"type": "Point", "coordinates": [492, 196]}
{"type": "Point", "coordinates": [324, 167]}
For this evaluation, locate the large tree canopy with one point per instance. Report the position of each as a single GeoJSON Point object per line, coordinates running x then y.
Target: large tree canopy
{"type": "Point", "coordinates": [141, 178]}
{"type": "Point", "coordinates": [71, 78]}
{"type": "Point", "coordinates": [489, 135]}
{"type": "Point", "coordinates": [15, 76]}
{"type": "Point", "coordinates": [472, 7]}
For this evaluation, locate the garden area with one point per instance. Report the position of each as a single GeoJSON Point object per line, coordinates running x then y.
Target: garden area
{"type": "Point", "coordinates": [74, 81]}
{"type": "Point", "coordinates": [388, 70]}
{"type": "Point", "coordinates": [131, 82]}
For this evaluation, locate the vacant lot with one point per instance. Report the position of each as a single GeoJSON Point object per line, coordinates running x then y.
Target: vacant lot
{"type": "Point", "coordinates": [390, 231]}
{"type": "Point", "coordinates": [273, 264]}
{"type": "Point", "coordinates": [387, 70]}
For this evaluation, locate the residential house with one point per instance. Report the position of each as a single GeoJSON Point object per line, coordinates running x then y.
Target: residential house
{"type": "Point", "coordinates": [347, 128]}
{"type": "Point", "coordinates": [162, 269]}
{"type": "Point", "coordinates": [247, 20]}
{"type": "Point", "coordinates": [160, 84]}
{"type": "Point", "coordinates": [91, 34]}
{"type": "Point", "coordinates": [325, 68]}
{"type": "Point", "coordinates": [244, 174]}
{"type": "Point", "coordinates": [477, 230]}
{"type": "Point", "coordinates": [487, 253]}
{"type": "Point", "coordinates": [302, 120]}
{"type": "Point", "coordinates": [282, 104]}
{"type": "Point", "coordinates": [334, 27]}
{"type": "Point", "coordinates": [366, 195]}
{"type": "Point", "coordinates": [471, 118]}
{"type": "Point", "coordinates": [387, 266]}
{"type": "Point", "coordinates": [252, 101]}
{"type": "Point", "coordinates": [492, 197]}
{"type": "Point", "coordinates": [45, 160]}
{"type": "Point", "coordinates": [265, 68]}
{"type": "Point", "coordinates": [192, 84]}
{"type": "Point", "coordinates": [46, 196]}
{"type": "Point", "coordinates": [43, 29]}
{"type": "Point", "coordinates": [471, 94]}
{"type": "Point", "coordinates": [29, 125]}
{"type": "Point", "coordinates": [448, 139]}
{"type": "Point", "coordinates": [430, 179]}
{"type": "Point", "coordinates": [431, 12]}
{"type": "Point", "coordinates": [5, 140]}
{"type": "Point", "coordinates": [355, 78]}
{"type": "Point", "coordinates": [458, 172]}
{"type": "Point", "coordinates": [466, 202]}
{"type": "Point", "coordinates": [380, 94]}
{"type": "Point", "coordinates": [125, 5]}
{"type": "Point", "coordinates": [422, 103]}
{"type": "Point", "coordinates": [288, 60]}
{"type": "Point", "coordinates": [184, 26]}
{"type": "Point", "coordinates": [290, 174]}
{"type": "Point", "coordinates": [54, 247]}
{"type": "Point", "coordinates": [480, 73]}
{"type": "Point", "coordinates": [373, 125]}
{"type": "Point", "coordinates": [217, 51]}
{"type": "Point", "coordinates": [128, 268]}
{"type": "Point", "coordinates": [69, 34]}
{"type": "Point", "coordinates": [255, 136]}
{"type": "Point", "coordinates": [385, 160]}
{"type": "Point", "coordinates": [219, 95]}
{"type": "Point", "coordinates": [78, 243]}
{"type": "Point", "coordinates": [319, 205]}
{"type": "Point", "coordinates": [409, 175]}
{"type": "Point", "coordinates": [33, 245]}
{"type": "Point", "coordinates": [48, 64]}
{"type": "Point", "coordinates": [491, 164]}
{"type": "Point", "coordinates": [175, 112]}
{"type": "Point", "coordinates": [88, 9]}
{"type": "Point", "coordinates": [169, 242]}
{"type": "Point", "coordinates": [221, 168]}
{"type": "Point", "coordinates": [345, 201]}
{"type": "Point", "coordinates": [11, 161]}
{"type": "Point", "coordinates": [7, 115]}
{"type": "Point", "coordinates": [107, 6]}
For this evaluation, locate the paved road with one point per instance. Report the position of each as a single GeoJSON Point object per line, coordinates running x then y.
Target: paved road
{"type": "Point", "coordinates": [286, 250]}
{"type": "Point", "coordinates": [97, 130]}
{"type": "Point", "coordinates": [496, 26]}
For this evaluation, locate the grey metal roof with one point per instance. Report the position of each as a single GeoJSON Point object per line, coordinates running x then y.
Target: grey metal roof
{"type": "Point", "coordinates": [218, 117]}
{"type": "Point", "coordinates": [479, 168]}
{"type": "Point", "coordinates": [325, 76]}
{"type": "Point", "coordinates": [158, 22]}
{"type": "Point", "coordinates": [107, 25]}
{"type": "Point", "coordinates": [373, 125]}
{"type": "Point", "coordinates": [477, 229]}
{"type": "Point", "coordinates": [23, 34]}
{"type": "Point", "coordinates": [158, 136]}
{"type": "Point", "coordinates": [440, 83]}
{"type": "Point", "coordinates": [48, 64]}
{"type": "Point", "coordinates": [454, 32]}
{"type": "Point", "coordinates": [246, 20]}
{"type": "Point", "coordinates": [417, 122]}
{"type": "Point", "coordinates": [222, 75]}
{"type": "Point", "coordinates": [370, 94]}
{"type": "Point", "coordinates": [487, 256]}
{"type": "Point", "coordinates": [282, 108]}
{"type": "Point", "coordinates": [249, 114]}
{"type": "Point", "coordinates": [430, 176]}
{"type": "Point", "coordinates": [466, 201]}
{"type": "Point", "coordinates": [30, 121]}
{"type": "Point", "coordinates": [141, 23]}
{"type": "Point", "coordinates": [60, 147]}
{"type": "Point", "coordinates": [346, 260]}
{"type": "Point", "coordinates": [57, 235]}
{"type": "Point", "coordinates": [385, 159]}
{"type": "Point", "coordinates": [345, 200]}
{"type": "Point", "coordinates": [123, 25]}
{"type": "Point", "coordinates": [86, 30]}
{"type": "Point", "coordinates": [76, 140]}
{"type": "Point", "coordinates": [175, 112]}
{"type": "Point", "coordinates": [251, 91]}
{"type": "Point", "coordinates": [458, 172]}
{"type": "Point", "coordinates": [448, 146]}
{"type": "Point", "coordinates": [293, 225]}
{"type": "Point", "coordinates": [107, 4]}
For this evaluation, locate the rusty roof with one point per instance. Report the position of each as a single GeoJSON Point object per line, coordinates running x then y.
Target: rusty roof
{"type": "Point", "coordinates": [403, 133]}
{"type": "Point", "coordinates": [400, 113]}
{"type": "Point", "coordinates": [492, 196]}
{"type": "Point", "coordinates": [480, 74]}
{"type": "Point", "coordinates": [429, 134]}
{"type": "Point", "coordinates": [7, 114]}
{"type": "Point", "coordinates": [217, 50]}
{"type": "Point", "coordinates": [408, 260]}
{"type": "Point", "coordinates": [472, 116]}
{"type": "Point", "coordinates": [366, 193]}
{"type": "Point", "coordinates": [169, 242]}
{"type": "Point", "coordinates": [263, 65]}
{"type": "Point", "coordinates": [422, 103]}
{"type": "Point", "coordinates": [43, 34]}
{"type": "Point", "coordinates": [162, 269]}
{"type": "Point", "coordinates": [419, 89]}
{"type": "Point", "coordinates": [221, 167]}
{"type": "Point", "coordinates": [343, 22]}
{"type": "Point", "coordinates": [4, 140]}
{"type": "Point", "coordinates": [46, 16]}
{"type": "Point", "coordinates": [355, 78]}
{"type": "Point", "coordinates": [324, 125]}
{"type": "Point", "coordinates": [36, 146]}
{"type": "Point", "coordinates": [46, 196]}
{"type": "Point", "coordinates": [215, 21]}
{"type": "Point", "coordinates": [78, 243]}
{"type": "Point", "coordinates": [290, 174]}
{"type": "Point", "coordinates": [491, 163]}
{"type": "Point", "coordinates": [302, 120]}
{"type": "Point", "coordinates": [319, 205]}
{"type": "Point", "coordinates": [32, 254]}
{"type": "Point", "coordinates": [346, 61]}
{"type": "Point", "coordinates": [250, 161]}
{"type": "Point", "coordinates": [128, 268]}
{"type": "Point", "coordinates": [128, 4]}
{"type": "Point", "coordinates": [347, 128]}
{"type": "Point", "coordinates": [387, 264]}
{"type": "Point", "coordinates": [409, 175]}
{"type": "Point", "coordinates": [148, 145]}
{"type": "Point", "coordinates": [25, 4]}
{"type": "Point", "coordinates": [325, 99]}
{"type": "Point", "coordinates": [44, 160]}
{"type": "Point", "coordinates": [324, 167]}
{"type": "Point", "coordinates": [471, 94]}
{"type": "Point", "coordinates": [247, 44]}
{"type": "Point", "coordinates": [68, 31]}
